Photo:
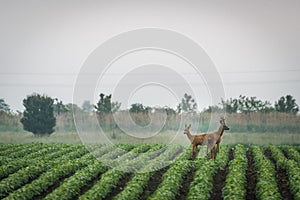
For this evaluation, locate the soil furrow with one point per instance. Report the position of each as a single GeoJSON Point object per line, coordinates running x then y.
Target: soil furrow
{"type": "Point", "coordinates": [281, 178]}
{"type": "Point", "coordinates": [219, 179]}
{"type": "Point", "coordinates": [251, 177]}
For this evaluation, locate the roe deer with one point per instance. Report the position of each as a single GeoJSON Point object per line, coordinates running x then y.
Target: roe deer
{"type": "Point", "coordinates": [210, 140]}
{"type": "Point", "coordinates": [215, 138]}
{"type": "Point", "coordinates": [194, 139]}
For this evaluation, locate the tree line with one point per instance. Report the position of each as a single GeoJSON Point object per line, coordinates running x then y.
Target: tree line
{"type": "Point", "coordinates": [40, 110]}
{"type": "Point", "coordinates": [243, 104]}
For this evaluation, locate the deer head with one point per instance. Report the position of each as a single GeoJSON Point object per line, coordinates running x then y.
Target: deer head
{"type": "Point", "coordinates": [222, 122]}
{"type": "Point", "coordinates": [187, 129]}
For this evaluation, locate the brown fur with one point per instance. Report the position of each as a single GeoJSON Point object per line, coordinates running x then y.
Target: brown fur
{"type": "Point", "coordinates": [210, 140]}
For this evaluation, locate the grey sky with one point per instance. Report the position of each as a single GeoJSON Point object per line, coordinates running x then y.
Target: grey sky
{"type": "Point", "coordinates": [255, 45]}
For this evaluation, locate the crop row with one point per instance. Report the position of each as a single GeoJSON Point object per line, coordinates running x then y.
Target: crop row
{"type": "Point", "coordinates": [203, 178]}
{"type": "Point", "coordinates": [24, 175]}
{"type": "Point", "coordinates": [235, 185]}
{"type": "Point", "coordinates": [135, 187]}
{"type": "Point", "coordinates": [293, 153]}
{"type": "Point", "coordinates": [72, 187]}
{"type": "Point", "coordinates": [109, 179]}
{"type": "Point", "coordinates": [63, 171]}
{"type": "Point", "coordinates": [292, 169]}
{"type": "Point", "coordinates": [51, 176]}
{"type": "Point", "coordinates": [13, 150]}
{"type": "Point", "coordinates": [12, 154]}
{"type": "Point", "coordinates": [266, 187]}
{"type": "Point", "coordinates": [48, 153]}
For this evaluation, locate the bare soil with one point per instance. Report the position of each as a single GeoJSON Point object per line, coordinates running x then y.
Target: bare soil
{"type": "Point", "coordinates": [219, 180]}
{"type": "Point", "coordinates": [251, 177]}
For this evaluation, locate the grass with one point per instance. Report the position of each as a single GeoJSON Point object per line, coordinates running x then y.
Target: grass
{"type": "Point", "coordinates": [164, 137]}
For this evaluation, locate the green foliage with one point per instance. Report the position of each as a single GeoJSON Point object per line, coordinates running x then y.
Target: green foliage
{"type": "Point", "coordinates": [61, 171]}
{"type": "Point", "coordinates": [35, 169]}
{"type": "Point", "coordinates": [292, 168]}
{"type": "Point", "coordinates": [202, 183]}
{"type": "Point", "coordinates": [4, 107]}
{"type": "Point", "coordinates": [252, 104]}
{"type": "Point", "coordinates": [104, 109]}
{"type": "Point", "coordinates": [139, 108]}
{"type": "Point", "coordinates": [235, 184]}
{"type": "Point", "coordinates": [60, 108]}
{"type": "Point", "coordinates": [188, 104]}
{"type": "Point", "coordinates": [172, 180]}
{"type": "Point", "coordinates": [135, 187]}
{"type": "Point", "coordinates": [266, 186]}
{"type": "Point", "coordinates": [230, 105]}
{"type": "Point", "coordinates": [287, 104]}
{"type": "Point", "coordinates": [246, 105]}
{"type": "Point", "coordinates": [293, 153]}
{"type": "Point", "coordinates": [71, 187]}
{"type": "Point", "coordinates": [105, 106]}
{"type": "Point", "coordinates": [38, 116]}
{"type": "Point", "coordinates": [109, 179]}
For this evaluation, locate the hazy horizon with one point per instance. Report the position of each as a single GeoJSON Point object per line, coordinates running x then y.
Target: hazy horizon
{"type": "Point", "coordinates": [254, 46]}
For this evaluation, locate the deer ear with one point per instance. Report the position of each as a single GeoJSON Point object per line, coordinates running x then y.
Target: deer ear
{"type": "Point", "coordinates": [185, 125]}
{"type": "Point", "coordinates": [190, 126]}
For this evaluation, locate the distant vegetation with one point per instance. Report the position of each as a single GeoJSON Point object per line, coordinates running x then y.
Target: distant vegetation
{"type": "Point", "coordinates": [244, 114]}
{"type": "Point", "coordinates": [38, 116]}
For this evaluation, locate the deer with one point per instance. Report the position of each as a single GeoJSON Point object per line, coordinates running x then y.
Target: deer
{"type": "Point", "coordinates": [215, 138]}
{"type": "Point", "coordinates": [210, 139]}
{"type": "Point", "coordinates": [194, 139]}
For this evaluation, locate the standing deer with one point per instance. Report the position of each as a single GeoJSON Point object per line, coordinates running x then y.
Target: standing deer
{"type": "Point", "coordinates": [214, 138]}
{"type": "Point", "coordinates": [194, 139]}
{"type": "Point", "coordinates": [210, 139]}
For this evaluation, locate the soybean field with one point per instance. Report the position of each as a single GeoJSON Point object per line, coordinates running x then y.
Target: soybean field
{"type": "Point", "coordinates": [148, 171]}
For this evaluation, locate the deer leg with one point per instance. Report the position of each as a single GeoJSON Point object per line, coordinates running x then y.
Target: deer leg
{"type": "Point", "coordinates": [214, 153]}
{"type": "Point", "coordinates": [207, 147]}
{"type": "Point", "coordinates": [193, 151]}
{"type": "Point", "coordinates": [218, 149]}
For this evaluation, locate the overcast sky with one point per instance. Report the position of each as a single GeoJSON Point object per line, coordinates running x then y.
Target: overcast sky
{"type": "Point", "coordinates": [254, 45]}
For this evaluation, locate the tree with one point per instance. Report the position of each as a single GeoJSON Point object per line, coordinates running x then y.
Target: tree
{"type": "Point", "coordinates": [139, 108]}
{"type": "Point", "coordinates": [287, 104]}
{"type": "Point", "coordinates": [38, 116]}
{"type": "Point", "coordinates": [59, 107]}
{"type": "Point", "coordinates": [105, 106]}
{"type": "Point", "coordinates": [230, 105]}
{"type": "Point", "coordinates": [169, 111]}
{"type": "Point", "coordinates": [252, 104]}
{"type": "Point", "coordinates": [4, 107]}
{"type": "Point", "coordinates": [187, 104]}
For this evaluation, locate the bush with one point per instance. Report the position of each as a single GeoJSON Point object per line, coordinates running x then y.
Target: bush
{"type": "Point", "coordinates": [38, 116]}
